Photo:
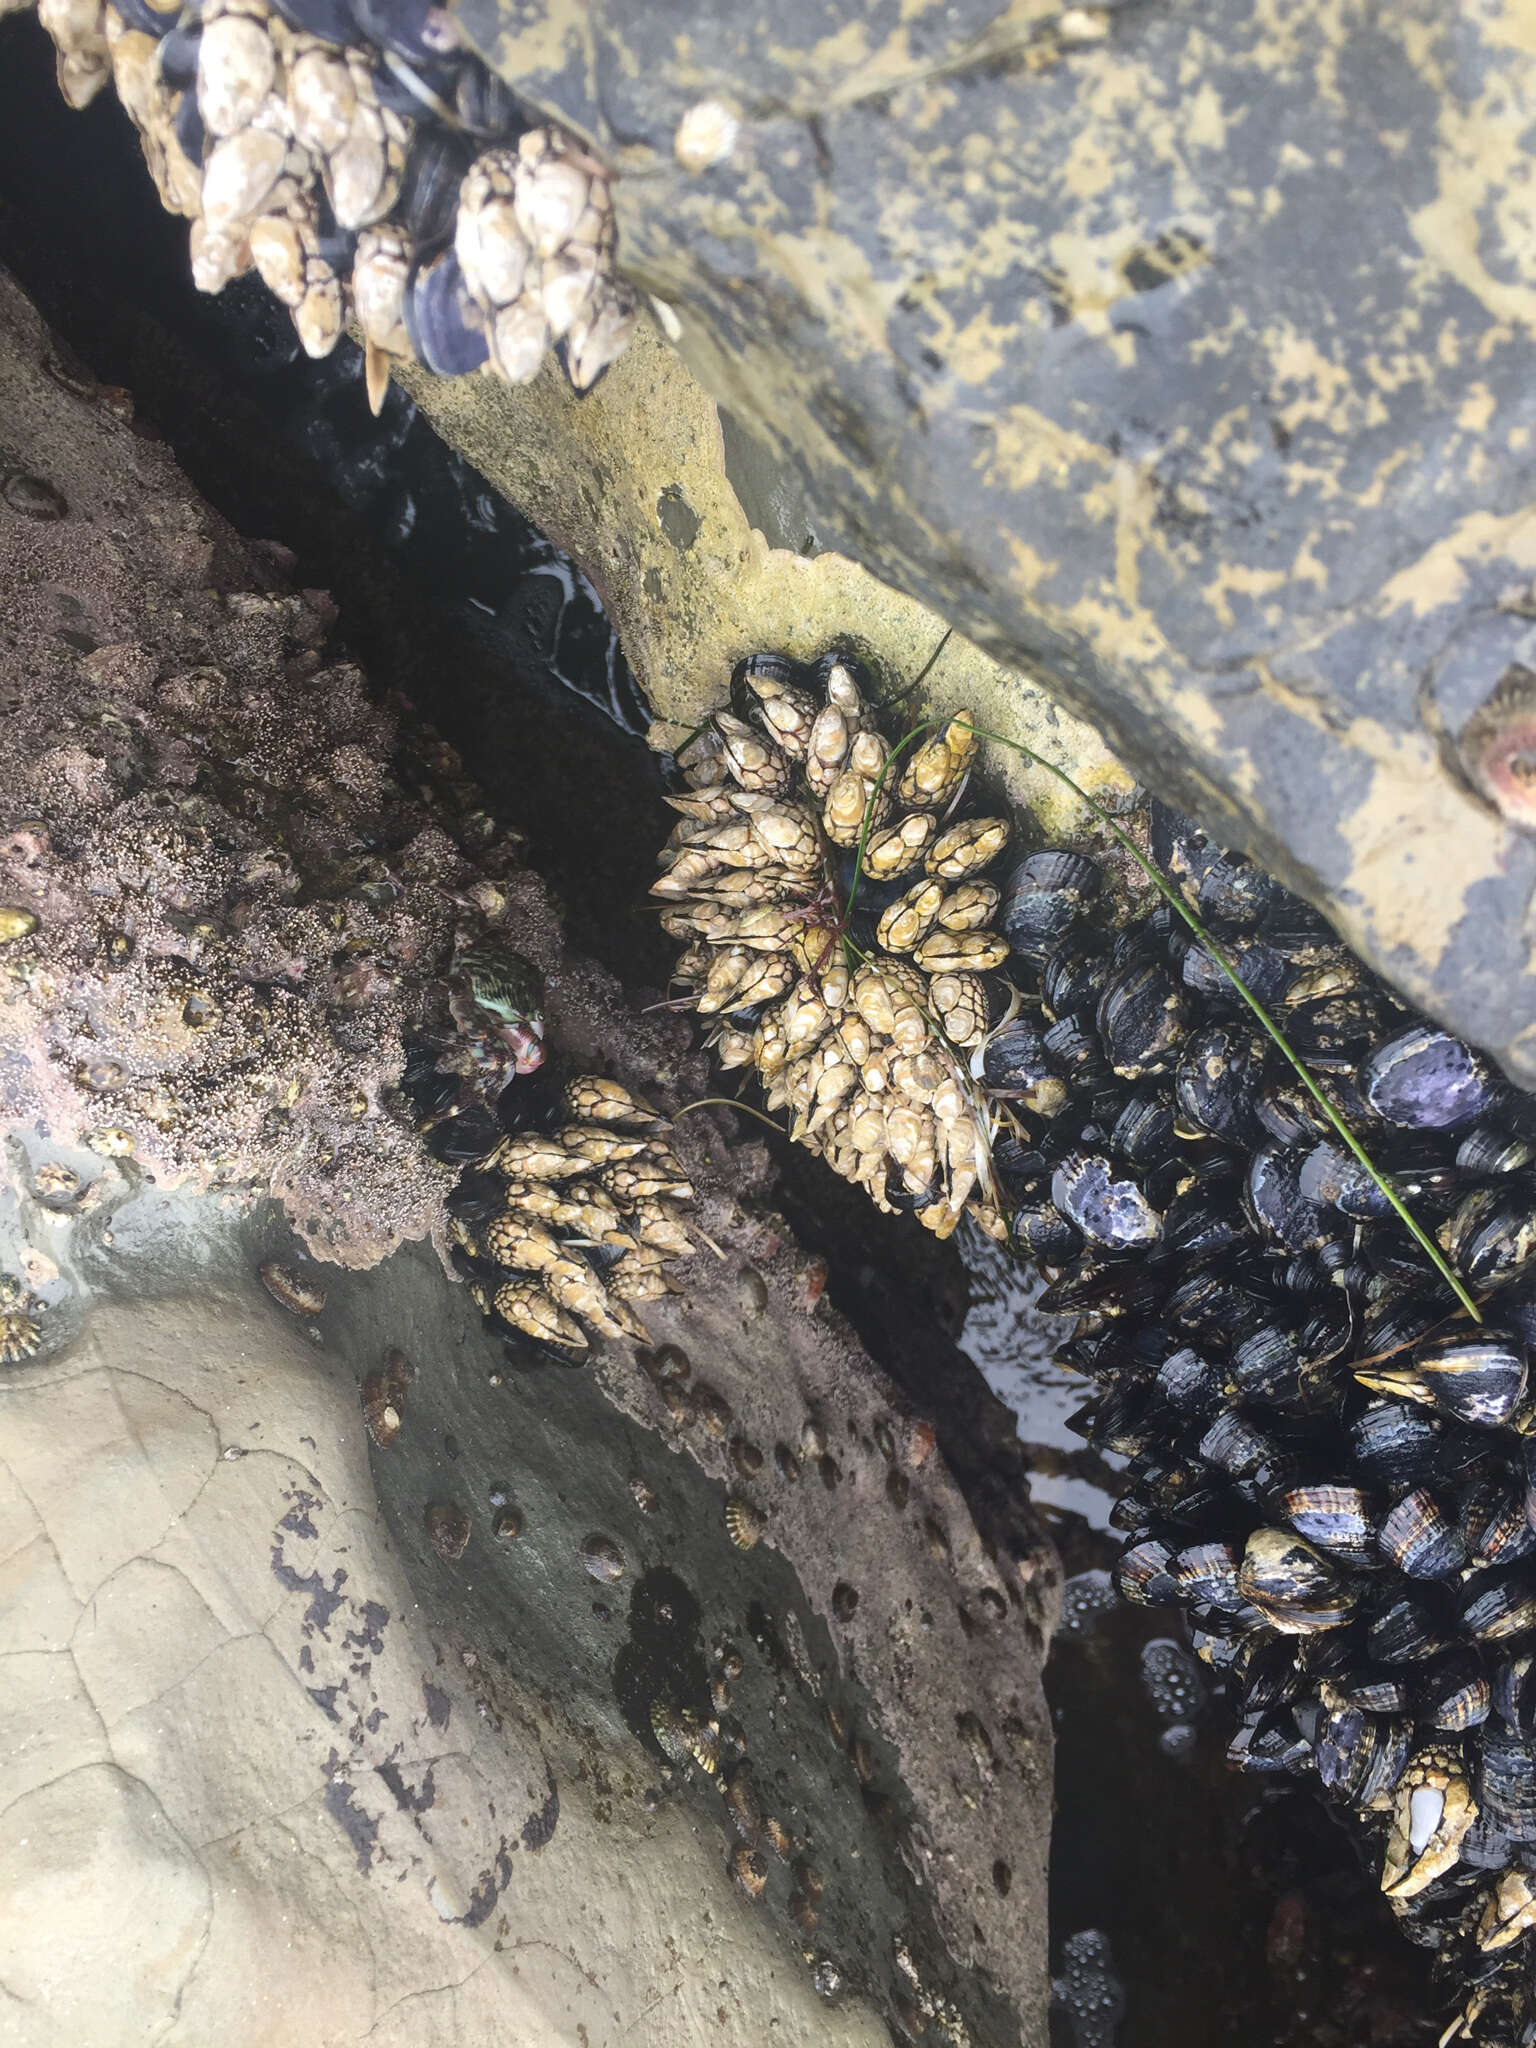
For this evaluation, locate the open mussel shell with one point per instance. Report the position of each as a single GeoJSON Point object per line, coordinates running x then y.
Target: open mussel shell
{"type": "Point", "coordinates": [1418, 1537]}
{"type": "Point", "coordinates": [1293, 1584]}
{"type": "Point", "coordinates": [1427, 1080]}
{"type": "Point", "coordinates": [1475, 1377]}
{"type": "Point", "coordinates": [1108, 1209]}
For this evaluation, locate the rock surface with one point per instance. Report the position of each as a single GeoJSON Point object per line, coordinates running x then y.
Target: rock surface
{"type": "Point", "coordinates": [304, 1740]}
{"type": "Point", "coordinates": [1180, 357]}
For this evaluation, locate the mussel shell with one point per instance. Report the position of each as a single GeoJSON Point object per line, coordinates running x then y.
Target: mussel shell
{"type": "Point", "coordinates": [436, 309]}
{"type": "Point", "coordinates": [1388, 1760]}
{"type": "Point", "coordinates": [1109, 1211]}
{"type": "Point", "coordinates": [1507, 1783]}
{"type": "Point", "coordinates": [408, 27]}
{"type": "Point", "coordinates": [1015, 1059]}
{"type": "Point", "coordinates": [1407, 1629]}
{"type": "Point", "coordinates": [1514, 1691]}
{"type": "Point", "coordinates": [1268, 1742]}
{"type": "Point", "coordinates": [1476, 1377]}
{"type": "Point", "coordinates": [1379, 1692]}
{"type": "Point", "coordinates": [1331, 1177]}
{"type": "Point", "coordinates": [1121, 1288]}
{"type": "Point", "coordinates": [463, 1139]}
{"type": "Point", "coordinates": [1046, 893]}
{"type": "Point", "coordinates": [1455, 1695]}
{"type": "Point", "coordinates": [331, 20]}
{"type": "Point", "coordinates": [1074, 976]}
{"type": "Point", "coordinates": [1265, 1365]}
{"type": "Point", "coordinates": [1236, 1445]}
{"type": "Point", "coordinates": [1235, 892]}
{"type": "Point", "coordinates": [1261, 970]}
{"type": "Point", "coordinates": [1491, 1149]}
{"type": "Point", "coordinates": [1290, 1115]}
{"type": "Point", "coordinates": [1491, 1238]}
{"type": "Point", "coordinates": [1142, 1576]}
{"type": "Point", "coordinates": [1141, 1018]}
{"type": "Point", "coordinates": [1419, 1539]}
{"type": "Point", "coordinates": [1201, 1223]}
{"type": "Point", "coordinates": [1143, 1131]}
{"type": "Point", "coordinates": [1427, 1080]}
{"type": "Point", "coordinates": [1499, 1605]}
{"type": "Point", "coordinates": [1293, 1584]}
{"type": "Point", "coordinates": [1347, 1739]}
{"type": "Point", "coordinates": [1207, 1573]}
{"type": "Point", "coordinates": [1211, 1307]}
{"type": "Point", "coordinates": [1189, 1382]}
{"type": "Point", "coordinates": [1074, 1048]}
{"type": "Point", "coordinates": [1220, 1069]}
{"type": "Point", "coordinates": [1045, 1234]}
{"type": "Point", "coordinates": [1336, 1518]}
{"type": "Point", "coordinates": [429, 191]}
{"type": "Point", "coordinates": [1273, 1199]}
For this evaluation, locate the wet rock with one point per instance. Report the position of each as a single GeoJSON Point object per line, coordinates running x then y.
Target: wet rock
{"type": "Point", "coordinates": [1133, 429]}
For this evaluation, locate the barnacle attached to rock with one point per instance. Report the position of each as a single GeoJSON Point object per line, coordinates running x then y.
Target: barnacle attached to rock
{"type": "Point", "coordinates": [363, 161]}
{"type": "Point", "coordinates": [857, 992]}
{"type": "Point", "coordinates": [20, 1332]}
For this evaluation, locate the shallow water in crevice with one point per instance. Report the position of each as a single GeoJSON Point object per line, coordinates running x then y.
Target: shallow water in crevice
{"type": "Point", "coordinates": [1235, 1914]}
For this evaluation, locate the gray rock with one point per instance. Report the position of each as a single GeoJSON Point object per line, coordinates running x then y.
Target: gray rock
{"type": "Point", "coordinates": [1180, 357]}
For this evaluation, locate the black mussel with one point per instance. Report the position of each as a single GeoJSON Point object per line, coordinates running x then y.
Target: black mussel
{"type": "Point", "coordinates": [1265, 1366]}
{"type": "Point", "coordinates": [331, 20]}
{"type": "Point", "coordinates": [1015, 1063]}
{"type": "Point", "coordinates": [1189, 1382]}
{"type": "Point", "coordinates": [1346, 1743]}
{"type": "Point", "coordinates": [1325, 1336]}
{"type": "Point", "coordinates": [1141, 1018]}
{"type": "Point", "coordinates": [1396, 1319]}
{"type": "Point", "coordinates": [1293, 1585]}
{"type": "Point", "coordinates": [1428, 1080]}
{"type": "Point", "coordinates": [1273, 1199]}
{"type": "Point", "coordinates": [1515, 1308]}
{"type": "Point", "coordinates": [1491, 1237]}
{"type": "Point", "coordinates": [1220, 1070]}
{"type": "Point", "coordinates": [532, 1102]}
{"type": "Point", "coordinates": [1494, 1520]}
{"type": "Point", "coordinates": [1454, 1695]}
{"type": "Point", "coordinates": [1408, 1628]}
{"type": "Point", "coordinates": [1074, 1047]}
{"type": "Point", "coordinates": [1268, 1742]}
{"type": "Point", "coordinates": [1301, 933]}
{"type": "Point", "coordinates": [436, 318]}
{"type": "Point", "coordinates": [1261, 970]}
{"type": "Point", "coordinates": [1142, 1576]}
{"type": "Point", "coordinates": [1211, 1306]}
{"type": "Point", "coordinates": [1514, 1691]}
{"type": "Point", "coordinates": [462, 1140]}
{"type": "Point", "coordinates": [1499, 1605]}
{"type": "Point", "coordinates": [1507, 1783]}
{"type": "Point", "coordinates": [1331, 1177]}
{"type": "Point", "coordinates": [191, 135]}
{"type": "Point", "coordinates": [1336, 1518]}
{"type": "Point", "coordinates": [1044, 1233]}
{"type": "Point", "coordinates": [176, 58]}
{"type": "Point", "coordinates": [1109, 1211]}
{"type": "Point", "coordinates": [1490, 1149]}
{"type": "Point", "coordinates": [1046, 894]}
{"type": "Point", "coordinates": [486, 104]}
{"type": "Point", "coordinates": [1396, 1446]}
{"type": "Point", "coordinates": [1291, 1115]}
{"type": "Point", "coordinates": [1236, 1445]}
{"type": "Point", "coordinates": [1419, 1539]}
{"type": "Point", "coordinates": [1475, 1377]}
{"type": "Point", "coordinates": [1379, 1692]}
{"type": "Point", "coordinates": [146, 20]}
{"type": "Point", "coordinates": [1206, 1573]}
{"type": "Point", "coordinates": [1201, 1223]}
{"type": "Point", "coordinates": [1125, 1287]}
{"type": "Point", "coordinates": [1019, 1165]}
{"type": "Point", "coordinates": [1268, 1673]}
{"type": "Point", "coordinates": [414, 29]}
{"type": "Point", "coordinates": [1183, 851]}
{"type": "Point", "coordinates": [1235, 892]}
{"type": "Point", "coordinates": [429, 193]}
{"type": "Point", "coordinates": [1390, 1751]}
{"type": "Point", "coordinates": [1333, 1028]}
{"type": "Point", "coordinates": [1143, 1131]}
{"type": "Point", "coordinates": [476, 1196]}
{"type": "Point", "coordinates": [1073, 977]}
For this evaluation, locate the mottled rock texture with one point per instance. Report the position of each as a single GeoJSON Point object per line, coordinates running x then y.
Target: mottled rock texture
{"type": "Point", "coordinates": [1180, 355]}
